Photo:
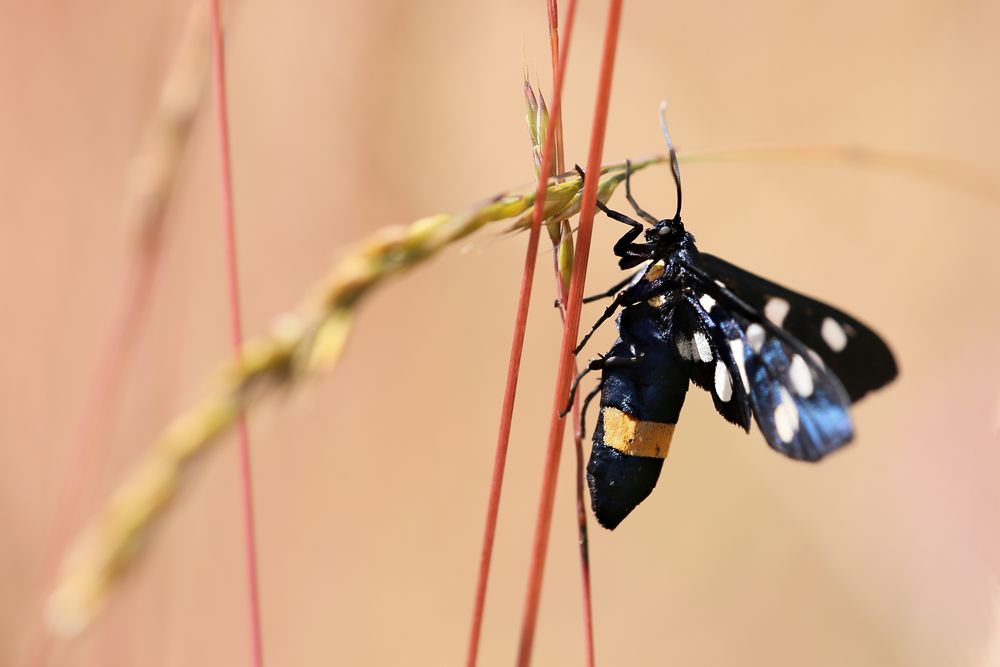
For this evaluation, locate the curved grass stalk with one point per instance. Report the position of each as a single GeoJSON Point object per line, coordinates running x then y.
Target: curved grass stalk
{"type": "Point", "coordinates": [959, 176]}
{"type": "Point", "coordinates": [310, 340]}
{"type": "Point", "coordinates": [301, 344]}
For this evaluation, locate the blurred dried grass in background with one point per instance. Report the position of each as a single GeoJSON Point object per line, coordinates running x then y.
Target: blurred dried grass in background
{"type": "Point", "coordinates": [370, 485]}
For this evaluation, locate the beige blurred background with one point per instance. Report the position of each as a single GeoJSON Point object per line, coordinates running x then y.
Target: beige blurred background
{"type": "Point", "coordinates": [371, 483]}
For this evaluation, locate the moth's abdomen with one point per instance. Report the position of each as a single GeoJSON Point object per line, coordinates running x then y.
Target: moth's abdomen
{"type": "Point", "coordinates": [625, 463]}
{"type": "Point", "coordinates": [640, 404]}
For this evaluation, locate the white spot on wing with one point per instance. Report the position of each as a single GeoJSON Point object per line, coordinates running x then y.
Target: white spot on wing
{"type": "Point", "coordinates": [786, 417]}
{"type": "Point", "coordinates": [684, 349]}
{"type": "Point", "coordinates": [776, 309]}
{"type": "Point", "coordinates": [702, 346]}
{"type": "Point", "coordinates": [723, 382]}
{"type": "Point", "coordinates": [707, 302]}
{"type": "Point", "coordinates": [801, 376]}
{"type": "Point", "coordinates": [833, 334]}
{"type": "Point", "coordinates": [736, 345]}
{"type": "Point", "coordinates": [755, 336]}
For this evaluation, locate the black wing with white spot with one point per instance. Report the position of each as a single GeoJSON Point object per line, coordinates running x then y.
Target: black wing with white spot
{"type": "Point", "coordinates": [798, 404]}
{"type": "Point", "coordinates": [852, 351]}
{"type": "Point", "coordinates": [708, 359]}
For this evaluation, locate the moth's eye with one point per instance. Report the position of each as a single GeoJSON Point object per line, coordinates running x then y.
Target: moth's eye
{"type": "Point", "coordinates": [664, 231]}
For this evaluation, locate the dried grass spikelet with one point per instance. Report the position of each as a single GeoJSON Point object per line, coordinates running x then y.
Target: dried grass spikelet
{"type": "Point", "coordinates": [559, 230]}
{"type": "Point", "coordinates": [155, 167]}
{"type": "Point", "coordinates": [300, 344]}
{"type": "Point", "coordinates": [311, 340]}
{"type": "Point", "coordinates": [151, 180]}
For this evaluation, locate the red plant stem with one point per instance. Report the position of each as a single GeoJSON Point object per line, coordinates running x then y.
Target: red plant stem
{"type": "Point", "coordinates": [236, 326]}
{"type": "Point", "coordinates": [570, 333]}
{"type": "Point", "coordinates": [517, 347]}
{"type": "Point", "coordinates": [581, 508]}
{"type": "Point", "coordinates": [581, 503]}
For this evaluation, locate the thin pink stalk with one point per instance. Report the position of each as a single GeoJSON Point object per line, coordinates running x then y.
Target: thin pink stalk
{"type": "Point", "coordinates": [570, 333]}
{"type": "Point", "coordinates": [581, 503]}
{"type": "Point", "coordinates": [236, 327]}
{"type": "Point", "coordinates": [517, 347]}
{"type": "Point", "coordinates": [155, 168]}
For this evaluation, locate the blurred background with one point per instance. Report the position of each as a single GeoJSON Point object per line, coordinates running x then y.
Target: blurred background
{"type": "Point", "coordinates": [371, 483]}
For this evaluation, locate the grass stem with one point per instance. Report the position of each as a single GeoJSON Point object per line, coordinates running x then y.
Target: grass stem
{"type": "Point", "coordinates": [236, 329]}
{"type": "Point", "coordinates": [570, 333]}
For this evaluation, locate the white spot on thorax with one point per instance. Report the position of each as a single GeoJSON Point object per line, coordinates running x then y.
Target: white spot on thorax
{"type": "Point", "coordinates": [833, 334]}
{"type": "Point", "coordinates": [755, 336]}
{"type": "Point", "coordinates": [776, 309]}
{"type": "Point", "coordinates": [801, 376]}
{"type": "Point", "coordinates": [657, 301]}
{"type": "Point", "coordinates": [707, 302]}
{"type": "Point", "coordinates": [702, 346]}
{"type": "Point", "coordinates": [654, 271]}
{"type": "Point", "coordinates": [723, 382]}
{"type": "Point", "coordinates": [786, 417]}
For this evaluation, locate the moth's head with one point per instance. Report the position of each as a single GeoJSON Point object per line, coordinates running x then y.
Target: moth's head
{"type": "Point", "coordinates": [667, 232]}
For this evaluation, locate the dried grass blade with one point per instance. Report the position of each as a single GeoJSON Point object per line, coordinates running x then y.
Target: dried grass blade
{"type": "Point", "coordinates": [308, 341]}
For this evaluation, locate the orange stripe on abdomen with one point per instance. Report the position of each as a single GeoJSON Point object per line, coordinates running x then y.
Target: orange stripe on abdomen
{"type": "Point", "coordinates": [634, 436]}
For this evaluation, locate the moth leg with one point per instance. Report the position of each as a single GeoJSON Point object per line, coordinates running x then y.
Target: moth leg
{"type": "Point", "coordinates": [623, 362]}
{"type": "Point", "coordinates": [640, 291]}
{"type": "Point", "coordinates": [628, 195]}
{"type": "Point", "coordinates": [619, 301]}
{"type": "Point", "coordinates": [586, 404]}
{"type": "Point", "coordinates": [624, 244]}
{"type": "Point", "coordinates": [599, 364]}
{"type": "Point", "coordinates": [631, 253]}
{"type": "Point", "coordinates": [594, 365]}
{"type": "Point", "coordinates": [611, 291]}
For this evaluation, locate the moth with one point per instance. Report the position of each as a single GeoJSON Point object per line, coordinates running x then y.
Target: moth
{"type": "Point", "coordinates": [791, 363]}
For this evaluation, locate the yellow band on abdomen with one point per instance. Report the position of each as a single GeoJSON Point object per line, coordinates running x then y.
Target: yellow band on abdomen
{"type": "Point", "coordinates": [634, 436]}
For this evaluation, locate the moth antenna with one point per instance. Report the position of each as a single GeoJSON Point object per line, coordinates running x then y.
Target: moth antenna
{"type": "Point", "coordinates": [673, 156]}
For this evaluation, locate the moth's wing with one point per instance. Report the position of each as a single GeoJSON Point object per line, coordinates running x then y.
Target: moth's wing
{"type": "Point", "coordinates": [798, 404]}
{"type": "Point", "coordinates": [856, 354]}
{"type": "Point", "coordinates": [708, 359]}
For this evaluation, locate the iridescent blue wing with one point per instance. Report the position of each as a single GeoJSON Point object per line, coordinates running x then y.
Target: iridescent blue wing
{"type": "Point", "coordinates": [798, 403]}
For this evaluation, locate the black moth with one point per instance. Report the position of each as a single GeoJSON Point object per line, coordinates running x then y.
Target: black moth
{"type": "Point", "coordinates": [792, 363]}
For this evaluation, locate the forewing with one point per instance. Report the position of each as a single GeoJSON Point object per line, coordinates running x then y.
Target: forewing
{"type": "Point", "coordinates": [851, 350]}
{"type": "Point", "coordinates": [708, 358]}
